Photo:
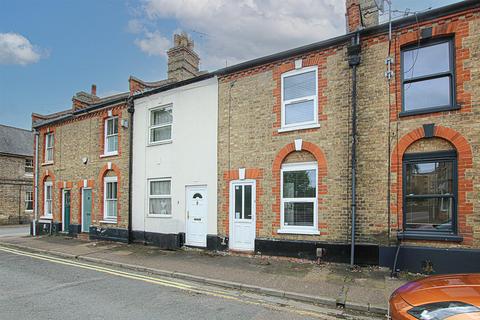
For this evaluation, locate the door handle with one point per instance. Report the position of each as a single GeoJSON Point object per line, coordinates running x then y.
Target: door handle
{"type": "Point", "coordinates": [188, 215]}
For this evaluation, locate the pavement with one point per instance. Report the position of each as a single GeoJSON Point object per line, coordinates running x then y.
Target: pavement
{"type": "Point", "coordinates": [334, 285]}
{"type": "Point", "coordinates": [38, 286]}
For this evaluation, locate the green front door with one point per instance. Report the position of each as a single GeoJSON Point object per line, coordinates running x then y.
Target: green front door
{"type": "Point", "coordinates": [66, 210]}
{"type": "Point", "coordinates": [86, 209]}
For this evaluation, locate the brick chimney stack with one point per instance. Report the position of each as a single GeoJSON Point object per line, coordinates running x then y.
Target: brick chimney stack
{"type": "Point", "coordinates": [94, 90]}
{"type": "Point", "coordinates": [360, 14]}
{"type": "Point", "coordinates": [182, 60]}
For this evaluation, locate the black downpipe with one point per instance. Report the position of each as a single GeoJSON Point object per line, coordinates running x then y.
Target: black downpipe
{"type": "Point", "coordinates": [354, 60]}
{"type": "Point", "coordinates": [131, 110]}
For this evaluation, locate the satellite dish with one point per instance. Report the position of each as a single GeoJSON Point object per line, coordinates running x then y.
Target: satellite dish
{"type": "Point", "coordinates": [380, 5]}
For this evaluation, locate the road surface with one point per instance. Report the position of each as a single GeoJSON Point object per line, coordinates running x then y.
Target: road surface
{"type": "Point", "coordinates": [14, 230]}
{"type": "Point", "coordinates": [36, 286]}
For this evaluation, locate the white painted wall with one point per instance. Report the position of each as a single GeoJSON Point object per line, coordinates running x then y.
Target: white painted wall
{"type": "Point", "coordinates": [190, 159]}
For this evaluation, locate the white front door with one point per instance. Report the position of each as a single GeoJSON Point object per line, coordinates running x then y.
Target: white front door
{"type": "Point", "coordinates": [197, 206]}
{"type": "Point", "coordinates": [242, 215]}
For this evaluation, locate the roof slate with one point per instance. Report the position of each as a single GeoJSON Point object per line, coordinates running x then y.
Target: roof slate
{"type": "Point", "coordinates": [16, 141]}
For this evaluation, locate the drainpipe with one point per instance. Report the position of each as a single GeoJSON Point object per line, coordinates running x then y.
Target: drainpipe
{"type": "Point", "coordinates": [35, 219]}
{"type": "Point", "coordinates": [131, 110]}
{"type": "Point", "coordinates": [354, 60]}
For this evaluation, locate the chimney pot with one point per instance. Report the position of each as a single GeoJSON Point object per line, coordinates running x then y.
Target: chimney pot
{"type": "Point", "coordinates": [94, 90]}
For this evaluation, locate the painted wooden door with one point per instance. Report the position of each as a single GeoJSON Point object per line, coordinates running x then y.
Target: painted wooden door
{"type": "Point", "coordinates": [86, 209]}
{"type": "Point", "coordinates": [242, 216]}
{"type": "Point", "coordinates": [66, 210]}
{"type": "Point", "coordinates": [197, 209]}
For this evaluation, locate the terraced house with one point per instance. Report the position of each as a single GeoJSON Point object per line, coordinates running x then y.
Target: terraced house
{"type": "Point", "coordinates": [362, 148]}
{"type": "Point", "coordinates": [81, 175]}
{"type": "Point", "coordinates": [372, 134]}
{"type": "Point", "coordinates": [175, 153]}
{"type": "Point", "coordinates": [16, 175]}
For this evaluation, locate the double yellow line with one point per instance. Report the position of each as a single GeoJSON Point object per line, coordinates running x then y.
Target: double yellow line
{"type": "Point", "coordinates": [161, 282]}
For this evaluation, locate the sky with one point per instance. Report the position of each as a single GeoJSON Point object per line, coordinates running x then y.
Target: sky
{"type": "Point", "coordinates": [51, 49]}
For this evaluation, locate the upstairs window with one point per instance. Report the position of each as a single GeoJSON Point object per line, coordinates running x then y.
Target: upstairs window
{"type": "Point", "coordinates": [28, 166]}
{"type": "Point", "coordinates": [161, 124]}
{"type": "Point", "coordinates": [429, 192]}
{"type": "Point", "coordinates": [111, 136]}
{"type": "Point", "coordinates": [49, 147]}
{"type": "Point", "coordinates": [110, 198]}
{"type": "Point", "coordinates": [428, 77]}
{"type": "Point", "coordinates": [299, 98]}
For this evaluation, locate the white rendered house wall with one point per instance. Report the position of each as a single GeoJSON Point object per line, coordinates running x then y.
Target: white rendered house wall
{"type": "Point", "coordinates": [188, 159]}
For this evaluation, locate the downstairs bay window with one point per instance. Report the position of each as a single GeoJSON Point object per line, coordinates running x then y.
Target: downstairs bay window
{"type": "Point", "coordinates": [299, 198]}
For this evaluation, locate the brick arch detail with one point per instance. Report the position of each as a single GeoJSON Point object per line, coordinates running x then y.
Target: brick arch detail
{"type": "Point", "coordinates": [276, 170]}
{"type": "Point", "coordinates": [101, 176]}
{"type": "Point", "coordinates": [41, 191]}
{"type": "Point", "coordinates": [465, 184]}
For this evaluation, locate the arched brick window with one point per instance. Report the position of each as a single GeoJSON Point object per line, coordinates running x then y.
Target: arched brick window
{"type": "Point", "coordinates": [298, 188]}
{"type": "Point", "coordinates": [432, 185]}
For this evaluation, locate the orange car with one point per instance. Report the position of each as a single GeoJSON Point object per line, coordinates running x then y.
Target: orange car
{"type": "Point", "coordinates": [452, 297]}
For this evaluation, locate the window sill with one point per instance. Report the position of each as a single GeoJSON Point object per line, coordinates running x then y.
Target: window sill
{"type": "Point", "coordinates": [109, 155]}
{"type": "Point", "coordinates": [28, 175]}
{"type": "Point", "coordinates": [47, 219]}
{"type": "Point", "coordinates": [411, 235]}
{"type": "Point", "coordinates": [299, 231]}
{"type": "Point", "coordinates": [29, 211]}
{"type": "Point", "coordinates": [152, 144]}
{"type": "Point", "coordinates": [108, 221]}
{"type": "Point", "coordinates": [162, 216]}
{"type": "Point", "coordinates": [302, 127]}
{"type": "Point", "coordinates": [47, 163]}
{"type": "Point", "coordinates": [428, 110]}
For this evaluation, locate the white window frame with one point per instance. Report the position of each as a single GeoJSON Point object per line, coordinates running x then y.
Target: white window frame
{"type": "Point", "coordinates": [305, 124]}
{"type": "Point", "coordinates": [299, 229]}
{"type": "Point", "coordinates": [149, 197]}
{"type": "Point", "coordinates": [29, 167]}
{"type": "Point", "coordinates": [107, 180]}
{"type": "Point", "coordinates": [106, 136]}
{"type": "Point", "coordinates": [47, 148]}
{"type": "Point", "coordinates": [151, 127]}
{"type": "Point", "coordinates": [28, 198]}
{"type": "Point", "coordinates": [47, 214]}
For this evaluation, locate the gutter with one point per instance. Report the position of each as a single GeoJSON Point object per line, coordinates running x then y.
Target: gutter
{"type": "Point", "coordinates": [382, 28]}
{"type": "Point", "coordinates": [79, 112]}
{"type": "Point", "coordinates": [354, 50]}
{"type": "Point", "coordinates": [131, 110]}
{"type": "Point", "coordinates": [35, 219]}
{"type": "Point", "coordinates": [175, 85]}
